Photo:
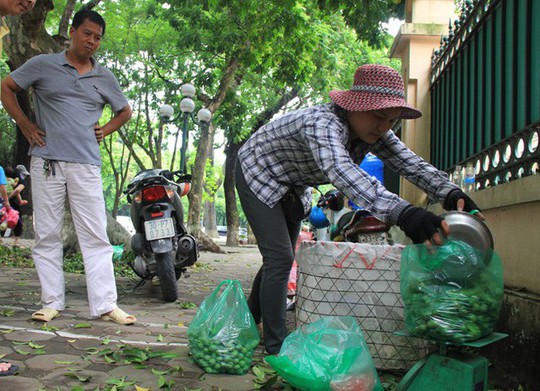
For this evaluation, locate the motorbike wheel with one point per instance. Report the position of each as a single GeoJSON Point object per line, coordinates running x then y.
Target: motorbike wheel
{"type": "Point", "coordinates": [167, 276]}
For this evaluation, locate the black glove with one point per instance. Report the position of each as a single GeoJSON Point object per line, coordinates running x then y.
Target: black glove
{"type": "Point", "coordinates": [450, 203]}
{"type": "Point", "coordinates": [419, 224]}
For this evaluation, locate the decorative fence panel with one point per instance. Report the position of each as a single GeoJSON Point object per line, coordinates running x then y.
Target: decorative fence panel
{"type": "Point", "coordinates": [485, 91]}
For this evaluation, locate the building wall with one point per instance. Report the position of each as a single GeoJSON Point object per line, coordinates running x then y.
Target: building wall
{"type": "Point", "coordinates": [512, 210]}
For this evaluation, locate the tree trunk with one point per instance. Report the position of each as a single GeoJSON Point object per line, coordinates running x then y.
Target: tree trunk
{"type": "Point", "coordinates": [197, 180]}
{"type": "Point", "coordinates": [63, 26]}
{"type": "Point", "coordinates": [231, 213]}
{"type": "Point", "coordinates": [116, 233]}
{"type": "Point", "coordinates": [27, 38]}
{"type": "Point", "coordinates": [204, 145]}
{"type": "Point", "coordinates": [209, 219]}
{"type": "Point", "coordinates": [205, 243]}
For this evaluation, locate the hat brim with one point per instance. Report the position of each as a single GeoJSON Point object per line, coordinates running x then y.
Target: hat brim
{"type": "Point", "coordinates": [368, 101]}
{"type": "Point", "coordinates": [22, 169]}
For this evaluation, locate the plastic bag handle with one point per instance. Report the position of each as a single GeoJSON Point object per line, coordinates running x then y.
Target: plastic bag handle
{"type": "Point", "coordinates": [231, 284]}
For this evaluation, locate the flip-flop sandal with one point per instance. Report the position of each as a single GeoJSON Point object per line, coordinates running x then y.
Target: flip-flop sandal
{"type": "Point", "coordinates": [11, 371]}
{"type": "Point", "coordinates": [120, 317]}
{"type": "Point", "coordinates": [45, 314]}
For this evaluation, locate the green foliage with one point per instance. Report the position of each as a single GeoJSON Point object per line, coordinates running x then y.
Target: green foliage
{"type": "Point", "coordinates": [16, 257]}
{"type": "Point", "coordinates": [324, 54]}
{"type": "Point", "coordinates": [74, 264]}
{"type": "Point", "coordinates": [7, 127]}
{"type": "Point", "coordinates": [213, 181]}
{"type": "Point", "coordinates": [249, 60]}
{"type": "Point", "coordinates": [366, 16]}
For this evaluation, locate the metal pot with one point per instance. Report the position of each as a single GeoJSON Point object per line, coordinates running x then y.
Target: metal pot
{"type": "Point", "coordinates": [469, 229]}
{"type": "Point", "coordinates": [466, 258]}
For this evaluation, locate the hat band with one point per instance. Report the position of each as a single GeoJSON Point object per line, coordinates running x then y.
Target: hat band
{"type": "Point", "coordinates": [379, 90]}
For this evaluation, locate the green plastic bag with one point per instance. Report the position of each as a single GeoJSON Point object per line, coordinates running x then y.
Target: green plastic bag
{"type": "Point", "coordinates": [328, 354]}
{"type": "Point", "coordinates": [223, 335]}
{"type": "Point", "coordinates": [451, 293]}
{"type": "Point", "coordinates": [118, 250]}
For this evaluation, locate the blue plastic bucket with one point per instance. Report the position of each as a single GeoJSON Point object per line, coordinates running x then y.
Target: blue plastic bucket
{"type": "Point", "coordinates": [317, 218]}
{"type": "Point", "coordinates": [374, 167]}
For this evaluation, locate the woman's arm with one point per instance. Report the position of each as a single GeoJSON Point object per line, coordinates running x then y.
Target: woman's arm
{"type": "Point", "coordinates": [16, 191]}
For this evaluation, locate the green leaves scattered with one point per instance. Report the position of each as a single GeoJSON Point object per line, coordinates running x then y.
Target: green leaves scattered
{"type": "Point", "coordinates": [83, 326]}
{"type": "Point", "coordinates": [83, 378]}
{"type": "Point", "coordinates": [124, 354]}
{"type": "Point", "coordinates": [165, 384]}
{"type": "Point", "coordinates": [186, 305]}
{"type": "Point", "coordinates": [265, 376]}
{"type": "Point", "coordinates": [7, 313]}
{"type": "Point", "coordinates": [46, 327]}
{"type": "Point", "coordinates": [21, 352]}
{"type": "Point", "coordinates": [36, 349]}
{"type": "Point", "coordinates": [139, 359]}
{"type": "Point", "coordinates": [201, 267]}
{"type": "Point", "coordinates": [16, 257]}
{"type": "Point", "coordinates": [120, 383]}
{"type": "Point", "coordinates": [35, 345]}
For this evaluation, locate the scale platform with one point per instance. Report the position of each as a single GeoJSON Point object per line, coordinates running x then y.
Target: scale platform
{"type": "Point", "coordinates": [450, 371]}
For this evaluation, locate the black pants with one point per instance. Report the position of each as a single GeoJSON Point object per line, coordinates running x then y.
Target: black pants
{"type": "Point", "coordinates": [276, 235]}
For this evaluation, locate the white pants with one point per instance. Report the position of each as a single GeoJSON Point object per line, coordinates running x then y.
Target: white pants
{"type": "Point", "coordinates": [82, 185]}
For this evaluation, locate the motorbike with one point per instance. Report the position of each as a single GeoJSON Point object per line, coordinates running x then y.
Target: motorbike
{"type": "Point", "coordinates": [162, 246]}
{"type": "Point", "coordinates": [338, 222]}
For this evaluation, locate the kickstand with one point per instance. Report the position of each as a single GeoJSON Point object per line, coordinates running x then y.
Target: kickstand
{"type": "Point", "coordinates": [139, 284]}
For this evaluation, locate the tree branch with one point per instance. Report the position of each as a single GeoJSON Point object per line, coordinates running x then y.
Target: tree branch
{"type": "Point", "coordinates": [63, 26]}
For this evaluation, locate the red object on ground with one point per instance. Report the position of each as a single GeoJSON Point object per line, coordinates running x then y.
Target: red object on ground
{"type": "Point", "coordinates": [291, 285]}
{"type": "Point", "coordinates": [12, 217]}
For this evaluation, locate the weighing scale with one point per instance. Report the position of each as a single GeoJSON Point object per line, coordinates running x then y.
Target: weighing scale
{"type": "Point", "coordinates": [450, 369]}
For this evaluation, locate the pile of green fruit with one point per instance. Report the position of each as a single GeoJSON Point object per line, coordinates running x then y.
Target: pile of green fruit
{"type": "Point", "coordinates": [215, 356]}
{"type": "Point", "coordinates": [448, 312]}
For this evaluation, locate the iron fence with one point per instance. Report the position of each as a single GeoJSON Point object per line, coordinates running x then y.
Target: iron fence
{"type": "Point", "coordinates": [485, 91]}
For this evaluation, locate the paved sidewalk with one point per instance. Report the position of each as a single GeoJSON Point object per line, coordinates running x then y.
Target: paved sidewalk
{"type": "Point", "coordinates": [74, 352]}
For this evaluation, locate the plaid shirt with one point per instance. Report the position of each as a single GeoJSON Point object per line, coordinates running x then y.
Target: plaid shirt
{"type": "Point", "coordinates": [311, 147]}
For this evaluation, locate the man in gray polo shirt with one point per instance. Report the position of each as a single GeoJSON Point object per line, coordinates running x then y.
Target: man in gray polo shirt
{"type": "Point", "coordinates": [70, 92]}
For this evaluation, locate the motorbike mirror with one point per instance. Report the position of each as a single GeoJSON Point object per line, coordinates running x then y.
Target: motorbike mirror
{"type": "Point", "coordinates": [181, 177]}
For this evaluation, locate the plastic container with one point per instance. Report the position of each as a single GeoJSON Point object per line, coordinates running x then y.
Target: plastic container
{"type": "Point", "coordinates": [469, 229]}
{"type": "Point", "coordinates": [317, 218]}
{"type": "Point", "coordinates": [457, 176]}
{"type": "Point", "coordinates": [374, 167]}
{"type": "Point", "coordinates": [469, 181]}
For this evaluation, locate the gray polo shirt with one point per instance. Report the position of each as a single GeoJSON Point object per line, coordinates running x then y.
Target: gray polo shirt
{"type": "Point", "coordinates": [67, 105]}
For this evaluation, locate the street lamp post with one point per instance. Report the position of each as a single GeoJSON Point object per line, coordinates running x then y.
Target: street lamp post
{"type": "Point", "coordinates": [187, 105]}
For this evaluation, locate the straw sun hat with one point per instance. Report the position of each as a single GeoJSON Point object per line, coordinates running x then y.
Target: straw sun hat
{"type": "Point", "coordinates": [375, 87]}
